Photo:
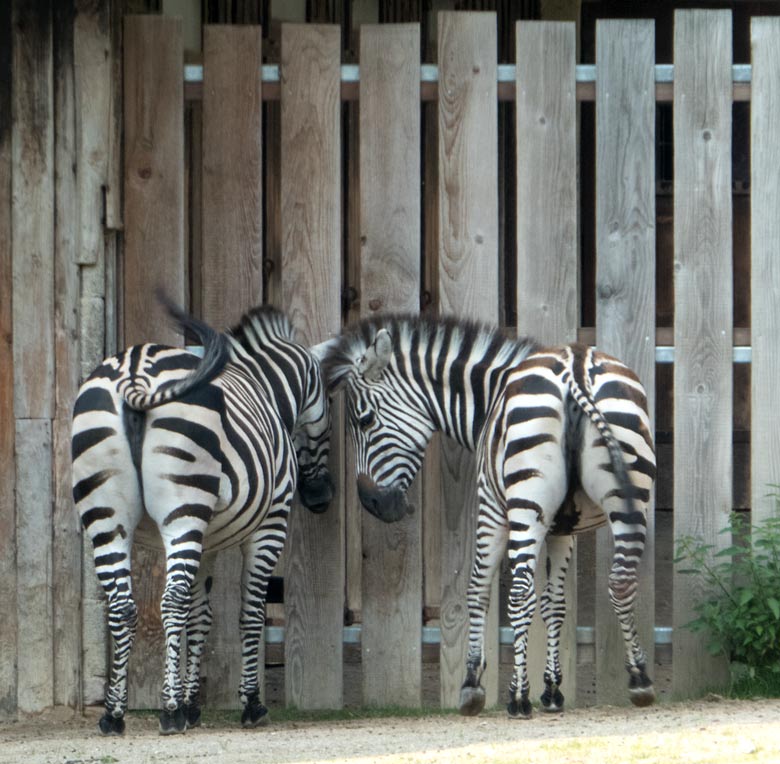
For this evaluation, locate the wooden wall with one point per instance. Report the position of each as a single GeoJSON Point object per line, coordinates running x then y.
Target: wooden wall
{"type": "Point", "coordinates": [334, 201]}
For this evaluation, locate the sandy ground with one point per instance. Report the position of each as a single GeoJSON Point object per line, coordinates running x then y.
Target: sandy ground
{"type": "Point", "coordinates": [706, 731]}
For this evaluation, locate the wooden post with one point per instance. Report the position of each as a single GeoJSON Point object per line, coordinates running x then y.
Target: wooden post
{"type": "Point", "coordinates": [625, 289]}
{"type": "Point", "coordinates": [8, 615]}
{"type": "Point", "coordinates": [468, 284]}
{"type": "Point", "coordinates": [390, 281]}
{"type": "Point", "coordinates": [547, 287]}
{"type": "Point", "coordinates": [231, 274]}
{"type": "Point", "coordinates": [702, 317]}
{"type": "Point", "coordinates": [765, 269]}
{"type": "Point", "coordinates": [311, 285]}
{"type": "Point", "coordinates": [154, 256]}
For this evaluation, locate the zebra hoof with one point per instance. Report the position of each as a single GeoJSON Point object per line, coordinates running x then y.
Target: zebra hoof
{"type": "Point", "coordinates": [472, 700]}
{"type": "Point", "coordinates": [520, 709]}
{"type": "Point", "coordinates": [642, 696]}
{"type": "Point", "coordinates": [111, 725]}
{"type": "Point", "coordinates": [255, 714]}
{"type": "Point", "coordinates": [552, 699]}
{"type": "Point", "coordinates": [173, 722]}
{"type": "Point", "coordinates": [192, 715]}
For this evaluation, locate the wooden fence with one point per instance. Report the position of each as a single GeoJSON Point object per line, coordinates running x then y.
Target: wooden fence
{"type": "Point", "coordinates": [245, 195]}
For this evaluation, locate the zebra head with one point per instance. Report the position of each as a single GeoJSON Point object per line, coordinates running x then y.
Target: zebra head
{"type": "Point", "coordinates": [311, 439]}
{"type": "Point", "coordinates": [389, 425]}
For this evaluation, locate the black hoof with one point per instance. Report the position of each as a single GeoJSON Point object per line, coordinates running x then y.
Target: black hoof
{"type": "Point", "coordinates": [552, 699]}
{"type": "Point", "coordinates": [520, 709]}
{"type": "Point", "coordinates": [192, 714]}
{"type": "Point", "coordinates": [173, 722]}
{"type": "Point", "coordinates": [255, 713]}
{"type": "Point", "coordinates": [111, 725]}
{"type": "Point", "coordinates": [472, 700]}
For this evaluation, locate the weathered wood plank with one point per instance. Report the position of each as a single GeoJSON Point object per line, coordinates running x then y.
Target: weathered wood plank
{"type": "Point", "coordinates": [33, 210]}
{"type": "Point", "coordinates": [765, 269]}
{"type": "Point", "coordinates": [231, 275]}
{"type": "Point", "coordinates": [468, 286]}
{"type": "Point", "coordinates": [703, 316]}
{"type": "Point", "coordinates": [231, 271]}
{"type": "Point", "coordinates": [547, 288]}
{"type": "Point", "coordinates": [390, 281]}
{"type": "Point", "coordinates": [35, 655]}
{"type": "Point", "coordinates": [625, 287]}
{"type": "Point", "coordinates": [154, 171]}
{"type": "Point", "coordinates": [311, 285]}
{"type": "Point", "coordinates": [66, 537]}
{"type": "Point", "coordinates": [154, 256]}
{"type": "Point", "coordinates": [8, 626]}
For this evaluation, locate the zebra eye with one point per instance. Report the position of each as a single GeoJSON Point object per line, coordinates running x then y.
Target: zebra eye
{"type": "Point", "coordinates": [366, 420]}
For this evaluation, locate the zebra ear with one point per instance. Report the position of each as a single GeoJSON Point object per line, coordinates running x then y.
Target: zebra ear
{"type": "Point", "coordinates": [374, 362]}
{"type": "Point", "coordinates": [321, 350]}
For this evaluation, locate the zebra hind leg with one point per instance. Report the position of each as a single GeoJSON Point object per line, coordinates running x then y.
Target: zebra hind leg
{"type": "Point", "coordinates": [199, 622]}
{"type": "Point", "coordinates": [553, 610]}
{"type": "Point", "coordinates": [491, 541]}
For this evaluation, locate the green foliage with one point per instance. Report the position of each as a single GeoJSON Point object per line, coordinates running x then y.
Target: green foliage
{"type": "Point", "coordinates": [740, 606]}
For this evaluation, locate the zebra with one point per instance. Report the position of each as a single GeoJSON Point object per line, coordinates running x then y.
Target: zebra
{"type": "Point", "coordinates": [551, 427]}
{"type": "Point", "coordinates": [194, 456]}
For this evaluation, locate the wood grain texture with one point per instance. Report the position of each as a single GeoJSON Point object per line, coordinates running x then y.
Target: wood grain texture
{"type": "Point", "coordinates": [35, 654]}
{"type": "Point", "coordinates": [391, 638]}
{"type": "Point", "coordinates": [311, 287]}
{"type": "Point", "coordinates": [154, 172]}
{"type": "Point", "coordinates": [33, 210]}
{"type": "Point", "coordinates": [231, 276]}
{"type": "Point", "coordinates": [625, 288]}
{"type": "Point", "coordinates": [468, 287]}
{"type": "Point", "coordinates": [66, 530]}
{"type": "Point", "coordinates": [8, 630]}
{"type": "Point", "coordinates": [765, 269]}
{"type": "Point", "coordinates": [154, 256]}
{"type": "Point", "coordinates": [703, 315]}
{"type": "Point", "coordinates": [232, 213]}
{"type": "Point", "coordinates": [547, 286]}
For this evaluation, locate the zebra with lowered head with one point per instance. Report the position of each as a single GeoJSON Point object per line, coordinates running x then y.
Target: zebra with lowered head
{"type": "Point", "coordinates": [192, 456]}
{"type": "Point", "coordinates": [547, 425]}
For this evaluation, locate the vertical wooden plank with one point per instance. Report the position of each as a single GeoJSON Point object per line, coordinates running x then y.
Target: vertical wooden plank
{"type": "Point", "coordinates": [35, 656]}
{"type": "Point", "coordinates": [625, 288]}
{"type": "Point", "coordinates": [154, 256]}
{"type": "Point", "coordinates": [390, 281]}
{"type": "Point", "coordinates": [468, 286]}
{"type": "Point", "coordinates": [765, 269]}
{"type": "Point", "coordinates": [547, 287]}
{"type": "Point", "coordinates": [154, 171]}
{"type": "Point", "coordinates": [8, 627]}
{"type": "Point", "coordinates": [231, 271]}
{"type": "Point", "coordinates": [311, 284]}
{"type": "Point", "coordinates": [66, 536]}
{"type": "Point", "coordinates": [702, 316]}
{"type": "Point", "coordinates": [33, 210]}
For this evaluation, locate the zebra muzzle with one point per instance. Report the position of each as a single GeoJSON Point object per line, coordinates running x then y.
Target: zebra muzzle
{"type": "Point", "coordinates": [388, 503]}
{"type": "Point", "coordinates": [316, 493]}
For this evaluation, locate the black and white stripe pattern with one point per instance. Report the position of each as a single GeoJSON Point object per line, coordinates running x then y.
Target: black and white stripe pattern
{"type": "Point", "coordinates": [208, 453]}
{"type": "Point", "coordinates": [563, 444]}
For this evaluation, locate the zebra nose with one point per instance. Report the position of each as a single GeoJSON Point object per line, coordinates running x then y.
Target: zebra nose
{"type": "Point", "coordinates": [369, 493]}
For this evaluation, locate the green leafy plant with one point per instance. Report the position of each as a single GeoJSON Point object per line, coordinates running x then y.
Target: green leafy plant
{"type": "Point", "coordinates": [740, 607]}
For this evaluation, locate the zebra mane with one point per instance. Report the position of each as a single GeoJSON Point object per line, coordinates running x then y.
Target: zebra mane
{"type": "Point", "coordinates": [263, 321]}
{"type": "Point", "coordinates": [340, 361]}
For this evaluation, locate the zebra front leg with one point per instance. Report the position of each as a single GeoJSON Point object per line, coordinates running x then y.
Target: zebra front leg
{"type": "Point", "coordinates": [491, 542]}
{"type": "Point", "coordinates": [260, 556]}
{"type": "Point", "coordinates": [199, 622]}
{"type": "Point", "coordinates": [553, 610]}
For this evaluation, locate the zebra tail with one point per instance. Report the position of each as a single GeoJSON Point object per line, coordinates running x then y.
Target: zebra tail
{"type": "Point", "coordinates": [216, 353]}
{"type": "Point", "coordinates": [582, 393]}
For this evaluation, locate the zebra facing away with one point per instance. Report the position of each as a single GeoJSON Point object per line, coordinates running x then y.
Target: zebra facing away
{"type": "Point", "coordinates": [194, 456]}
{"type": "Point", "coordinates": [547, 425]}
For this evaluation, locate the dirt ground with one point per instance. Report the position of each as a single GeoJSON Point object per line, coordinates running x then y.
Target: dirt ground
{"type": "Point", "coordinates": [711, 731]}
